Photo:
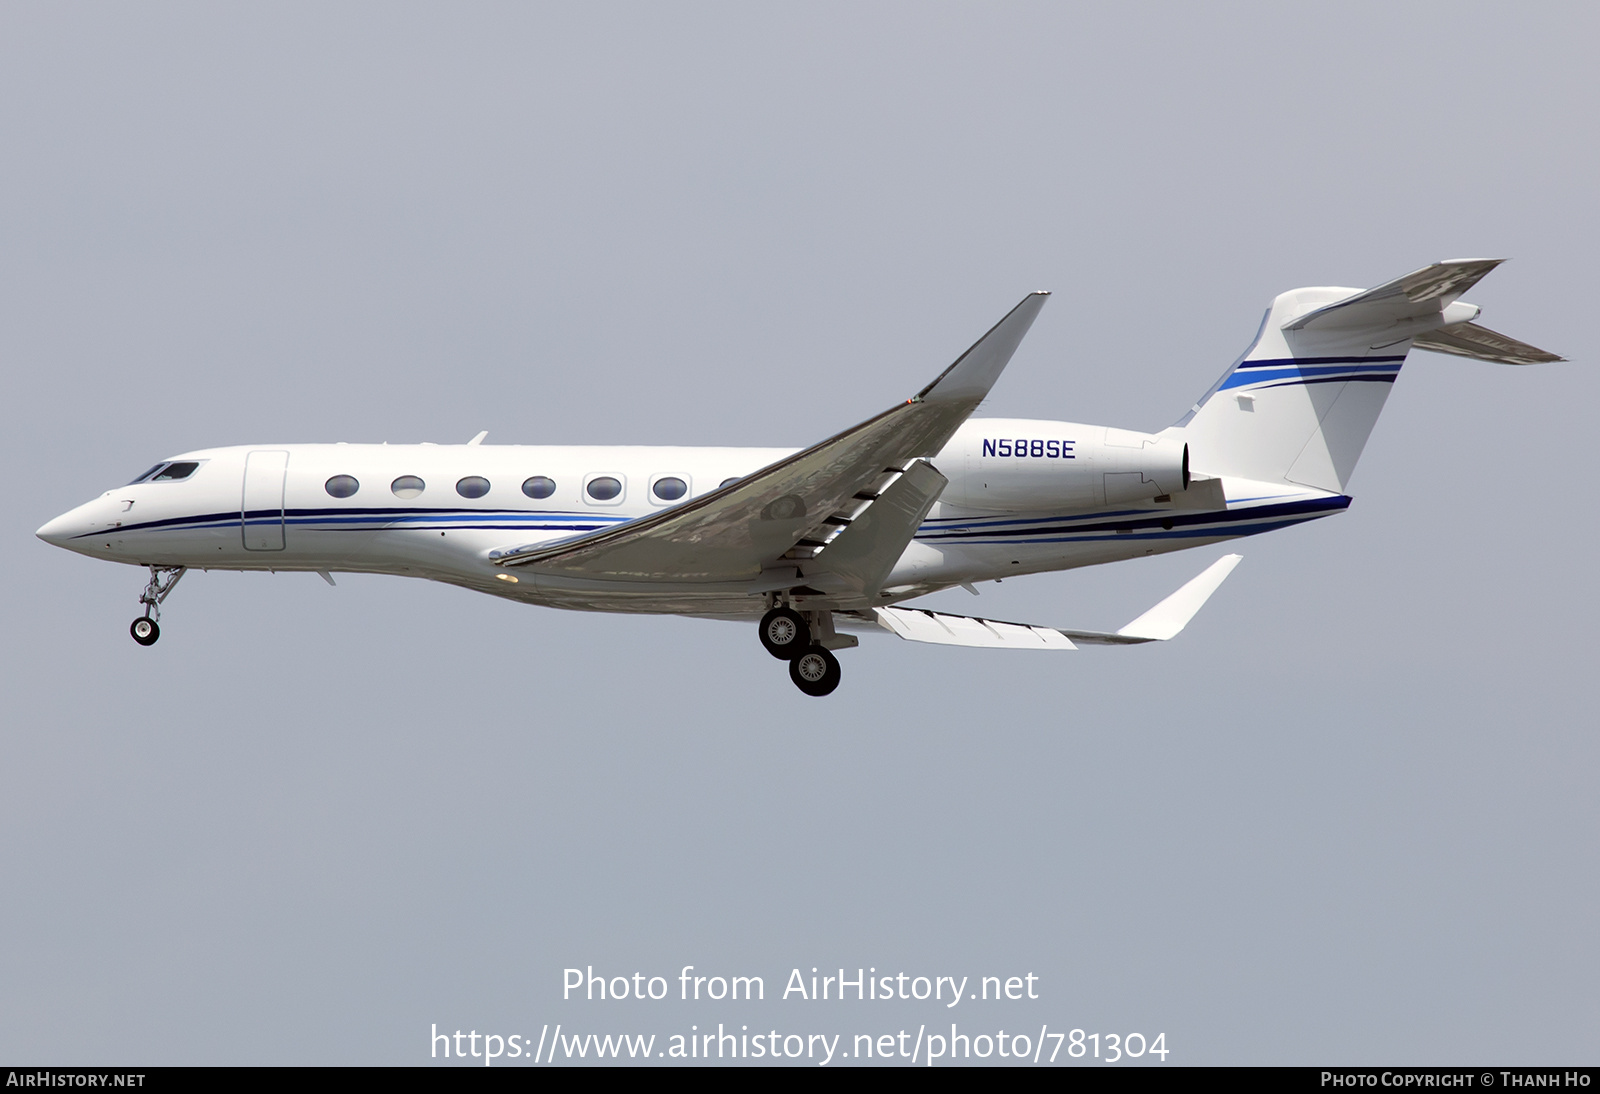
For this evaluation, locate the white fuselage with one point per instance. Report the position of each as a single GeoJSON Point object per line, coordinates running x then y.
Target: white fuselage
{"type": "Point", "coordinates": [1024, 496]}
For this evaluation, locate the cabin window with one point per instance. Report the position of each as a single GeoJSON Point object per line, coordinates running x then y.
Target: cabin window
{"type": "Point", "coordinates": [342, 486]}
{"type": "Point", "coordinates": [727, 482]}
{"type": "Point", "coordinates": [473, 486]}
{"type": "Point", "coordinates": [175, 472]}
{"type": "Point", "coordinates": [407, 486]}
{"type": "Point", "coordinates": [604, 488]}
{"type": "Point", "coordinates": [670, 488]}
{"type": "Point", "coordinates": [539, 487]}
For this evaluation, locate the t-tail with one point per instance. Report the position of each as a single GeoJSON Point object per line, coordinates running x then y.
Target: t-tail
{"type": "Point", "coordinates": [1299, 405]}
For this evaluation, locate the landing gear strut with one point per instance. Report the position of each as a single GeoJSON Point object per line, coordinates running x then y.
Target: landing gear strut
{"type": "Point", "coordinates": [163, 579]}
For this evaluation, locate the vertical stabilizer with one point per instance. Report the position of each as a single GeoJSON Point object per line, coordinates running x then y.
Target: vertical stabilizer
{"type": "Point", "coordinates": [1299, 406]}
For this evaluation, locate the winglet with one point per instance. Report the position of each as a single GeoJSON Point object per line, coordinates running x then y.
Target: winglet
{"type": "Point", "coordinates": [975, 371]}
{"type": "Point", "coordinates": [1172, 614]}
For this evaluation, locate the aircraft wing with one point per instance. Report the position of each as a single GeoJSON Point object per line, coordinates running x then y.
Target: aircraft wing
{"type": "Point", "coordinates": [1158, 624]}
{"type": "Point", "coordinates": [733, 534]}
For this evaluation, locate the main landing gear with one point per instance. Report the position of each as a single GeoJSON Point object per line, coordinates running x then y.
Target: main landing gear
{"type": "Point", "coordinates": [790, 636]}
{"type": "Point", "coordinates": [163, 579]}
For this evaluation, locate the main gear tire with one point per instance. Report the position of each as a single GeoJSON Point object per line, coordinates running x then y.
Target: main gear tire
{"type": "Point", "coordinates": [784, 633]}
{"type": "Point", "coordinates": [815, 671]}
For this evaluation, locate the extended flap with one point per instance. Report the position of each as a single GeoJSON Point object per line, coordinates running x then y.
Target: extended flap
{"type": "Point", "coordinates": [863, 554]}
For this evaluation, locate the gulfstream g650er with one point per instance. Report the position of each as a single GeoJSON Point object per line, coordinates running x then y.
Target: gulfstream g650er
{"type": "Point", "coordinates": [833, 537]}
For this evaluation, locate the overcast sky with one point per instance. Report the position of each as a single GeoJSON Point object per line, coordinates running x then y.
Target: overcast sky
{"type": "Point", "coordinates": [1348, 816]}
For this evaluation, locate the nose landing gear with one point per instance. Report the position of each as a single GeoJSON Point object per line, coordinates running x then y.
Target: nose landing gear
{"type": "Point", "coordinates": [163, 579]}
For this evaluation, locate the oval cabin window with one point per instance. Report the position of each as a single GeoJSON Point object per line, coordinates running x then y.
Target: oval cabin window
{"type": "Point", "coordinates": [342, 486]}
{"type": "Point", "coordinates": [473, 486]}
{"type": "Point", "coordinates": [539, 487]}
{"type": "Point", "coordinates": [605, 488]}
{"type": "Point", "coordinates": [407, 486]}
{"type": "Point", "coordinates": [670, 489]}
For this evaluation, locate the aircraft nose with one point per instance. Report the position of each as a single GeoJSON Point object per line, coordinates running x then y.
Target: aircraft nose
{"type": "Point", "coordinates": [66, 528]}
{"type": "Point", "coordinates": [57, 531]}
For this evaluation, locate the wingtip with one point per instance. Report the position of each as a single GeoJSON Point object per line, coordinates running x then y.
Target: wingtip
{"type": "Point", "coordinates": [975, 371]}
{"type": "Point", "coordinates": [1169, 617]}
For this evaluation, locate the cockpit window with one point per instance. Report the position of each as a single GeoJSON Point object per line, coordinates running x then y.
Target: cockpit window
{"type": "Point", "coordinates": [175, 472]}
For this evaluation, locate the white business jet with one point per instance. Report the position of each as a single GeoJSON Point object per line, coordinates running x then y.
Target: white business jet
{"type": "Point", "coordinates": [832, 538]}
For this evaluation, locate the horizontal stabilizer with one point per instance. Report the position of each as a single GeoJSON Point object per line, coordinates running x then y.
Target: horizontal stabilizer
{"type": "Point", "coordinates": [1482, 344]}
{"type": "Point", "coordinates": [1421, 293]}
{"type": "Point", "coordinates": [1161, 622]}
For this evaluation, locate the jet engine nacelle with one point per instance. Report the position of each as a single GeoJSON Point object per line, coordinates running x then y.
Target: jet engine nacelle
{"type": "Point", "coordinates": [1020, 463]}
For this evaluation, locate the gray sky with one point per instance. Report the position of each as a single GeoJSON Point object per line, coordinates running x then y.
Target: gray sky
{"type": "Point", "coordinates": [1349, 816]}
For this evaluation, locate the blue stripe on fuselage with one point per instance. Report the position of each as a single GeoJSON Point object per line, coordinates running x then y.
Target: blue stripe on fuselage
{"type": "Point", "coordinates": [379, 519]}
{"type": "Point", "coordinates": [1224, 522]}
{"type": "Point", "coordinates": [1311, 374]}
